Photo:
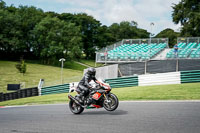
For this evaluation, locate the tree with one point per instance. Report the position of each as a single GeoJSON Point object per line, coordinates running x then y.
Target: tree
{"type": "Point", "coordinates": [2, 4]}
{"type": "Point", "coordinates": [34, 34]}
{"type": "Point", "coordinates": [29, 17]}
{"type": "Point", "coordinates": [127, 30]}
{"type": "Point", "coordinates": [16, 28]}
{"type": "Point", "coordinates": [187, 13]}
{"type": "Point", "coordinates": [89, 32]}
{"type": "Point", "coordinates": [89, 29]}
{"type": "Point", "coordinates": [114, 30]}
{"type": "Point", "coordinates": [9, 32]}
{"type": "Point", "coordinates": [55, 39]}
{"type": "Point", "coordinates": [104, 37]}
{"type": "Point", "coordinates": [169, 33]}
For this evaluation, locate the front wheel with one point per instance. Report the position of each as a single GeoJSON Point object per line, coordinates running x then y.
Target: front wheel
{"type": "Point", "coordinates": [75, 108]}
{"type": "Point", "coordinates": [111, 103]}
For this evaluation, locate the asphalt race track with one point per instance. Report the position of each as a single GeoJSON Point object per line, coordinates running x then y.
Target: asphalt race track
{"type": "Point", "coordinates": [130, 117]}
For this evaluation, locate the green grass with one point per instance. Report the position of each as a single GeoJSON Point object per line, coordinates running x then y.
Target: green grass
{"type": "Point", "coordinates": [74, 65]}
{"type": "Point", "coordinates": [52, 75]}
{"type": "Point", "coordinates": [46, 99]}
{"type": "Point", "coordinates": [67, 64]}
{"type": "Point", "coordinates": [90, 63]}
{"type": "Point", "coordinates": [190, 91]}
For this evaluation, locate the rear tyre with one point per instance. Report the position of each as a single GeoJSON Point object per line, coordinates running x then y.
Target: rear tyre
{"type": "Point", "coordinates": [75, 108]}
{"type": "Point", "coordinates": [112, 103]}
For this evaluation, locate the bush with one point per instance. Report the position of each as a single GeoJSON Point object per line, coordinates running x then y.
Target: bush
{"type": "Point", "coordinates": [21, 66]}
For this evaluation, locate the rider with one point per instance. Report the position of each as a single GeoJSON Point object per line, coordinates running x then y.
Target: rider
{"type": "Point", "coordinates": [83, 86]}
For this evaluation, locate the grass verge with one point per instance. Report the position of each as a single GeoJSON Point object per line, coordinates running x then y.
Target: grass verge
{"type": "Point", "coordinates": [190, 91]}
{"type": "Point", "coordinates": [51, 74]}
{"type": "Point", "coordinates": [90, 63]}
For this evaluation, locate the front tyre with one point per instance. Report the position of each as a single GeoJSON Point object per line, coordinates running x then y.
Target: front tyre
{"type": "Point", "coordinates": [75, 108]}
{"type": "Point", "coordinates": [111, 103]}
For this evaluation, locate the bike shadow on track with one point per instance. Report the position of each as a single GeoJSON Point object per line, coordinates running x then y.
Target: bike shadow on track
{"type": "Point", "coordinates": [104, 112]}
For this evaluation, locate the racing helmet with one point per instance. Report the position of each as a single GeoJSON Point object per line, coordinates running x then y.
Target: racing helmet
{"type": "Point", "coordinates": [91, 71]}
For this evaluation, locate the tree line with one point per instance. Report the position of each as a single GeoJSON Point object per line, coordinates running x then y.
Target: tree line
{"type": "Point", "coordinates": [187, 14]}
{"type": "Point", "coordinates": [34, 34]}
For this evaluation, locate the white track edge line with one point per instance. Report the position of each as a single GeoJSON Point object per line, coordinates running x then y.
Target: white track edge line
{"type": "Point", "coordinates": [142, 101]}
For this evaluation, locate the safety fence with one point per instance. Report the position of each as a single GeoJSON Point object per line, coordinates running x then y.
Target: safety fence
{"type": "Point", "coordinates": [156, 79]}
{"type": "Point", "coordinates": [55, 89]}
{"type": "Point", "coordinates": [141, 80]}
{"type": "Point", "coordinates": [29, 92]}
{"type": "Point", "coordinates": [158, 66]}
{"type": "Point", "coordinates": [188, 39]}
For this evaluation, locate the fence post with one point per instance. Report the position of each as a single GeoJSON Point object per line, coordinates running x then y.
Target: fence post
{"type": "Point", "coordinates": [145, 67]}
{"type": "Point", "coordinates": [176, 65]}
{"type": "Point", "coordinates": [105, 55]}
{"type": "Point", "coordinates": [96, 59]}
{"type": "Point", "coordinates": [40, 86]}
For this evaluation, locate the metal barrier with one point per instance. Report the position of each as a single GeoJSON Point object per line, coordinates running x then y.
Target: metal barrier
{"type": "Point", "coordinates": [146, 40]}
{"type": "Point", "coordinates": [55, 89]}
{"type": "Point", "coordinates": [123, 82]}
{"type": "Point", "coordinates": [158, 66]}
{"type": "Point", "coordinates": [141, 80]}
{"type": "Point", "coordinates": [156, 79]}
{"type": "Point", "coordinates": [190, 76]}
{"type": "Point", "coordinates": [188, 39]}
{"type": "Point", "coordinates": [110, 47]}
{"type": "Point", "coordinates": [159, 79]}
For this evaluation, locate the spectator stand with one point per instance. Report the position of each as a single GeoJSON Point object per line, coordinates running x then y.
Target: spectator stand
{"type": "Point", "coordinates": [189, 48]}
{"type": "Point", "coordinates": [132, 50]}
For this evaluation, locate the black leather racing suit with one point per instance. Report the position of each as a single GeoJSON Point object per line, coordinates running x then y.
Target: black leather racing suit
{"type": "Point", "coordinates": [83, 86]}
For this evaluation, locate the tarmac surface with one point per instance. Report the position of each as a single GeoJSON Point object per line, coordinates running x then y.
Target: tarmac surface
{"type": "Point", "coordinates": [130, 117]}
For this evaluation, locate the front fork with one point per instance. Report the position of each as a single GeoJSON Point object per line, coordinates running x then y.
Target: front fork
{"type": "Point", "coordinates": [107, 101]}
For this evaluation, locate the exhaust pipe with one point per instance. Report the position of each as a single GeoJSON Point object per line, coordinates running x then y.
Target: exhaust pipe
{"type": "Point", "coordinates": [74, 99]}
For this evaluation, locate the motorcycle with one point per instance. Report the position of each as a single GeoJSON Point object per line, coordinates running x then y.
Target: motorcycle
{"type": "Point", "coordinates": [99, 96]}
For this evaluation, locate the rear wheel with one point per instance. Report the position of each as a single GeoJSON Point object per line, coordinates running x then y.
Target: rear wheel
{"type": "Point", "coordinates": [111, 103]}
{"type": "Point", "coordinates": [75, 108]}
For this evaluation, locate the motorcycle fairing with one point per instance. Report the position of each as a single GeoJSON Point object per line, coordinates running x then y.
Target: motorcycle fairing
{"type": "Point", "coordinates": [96, 96]}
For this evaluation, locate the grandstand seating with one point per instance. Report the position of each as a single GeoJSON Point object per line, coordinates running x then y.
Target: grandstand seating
{"type": "Point", "coordinates": [195, 53]}
{"type": "Point", "coordinates": [135, 51]}
{"type": "Point", "coordinates": [145, 49]}
{"type": "Point", "coordinates": [190, 50]}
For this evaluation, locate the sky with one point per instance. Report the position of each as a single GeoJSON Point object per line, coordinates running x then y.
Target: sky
{"type": "Point", "coordinates": [144, 12]}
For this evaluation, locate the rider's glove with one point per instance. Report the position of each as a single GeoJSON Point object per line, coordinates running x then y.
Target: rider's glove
{"type": "Point", "coordinates": [90, 86]}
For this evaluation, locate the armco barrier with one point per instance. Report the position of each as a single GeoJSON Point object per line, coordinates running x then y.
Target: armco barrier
{"type": "Point", "coordinates": [55, 89]}
{"type": "Point", "coordinates": [159, 79]}
{"type": "Point", "coordinates": [141, 80]}
{"type": "Point", "coordinates": [123, 82]}
{"type": "Point", "coordinates": [190, 76]}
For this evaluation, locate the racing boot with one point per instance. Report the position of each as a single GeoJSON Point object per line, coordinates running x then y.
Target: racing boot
{"type": "Point", "coordinates": [79, 98]}
{"type": "Point", "coordinates": [89, 102]}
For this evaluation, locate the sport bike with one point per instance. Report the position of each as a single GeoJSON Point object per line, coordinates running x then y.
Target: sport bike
{"type": "Point", "coordinates": [99, 96]}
